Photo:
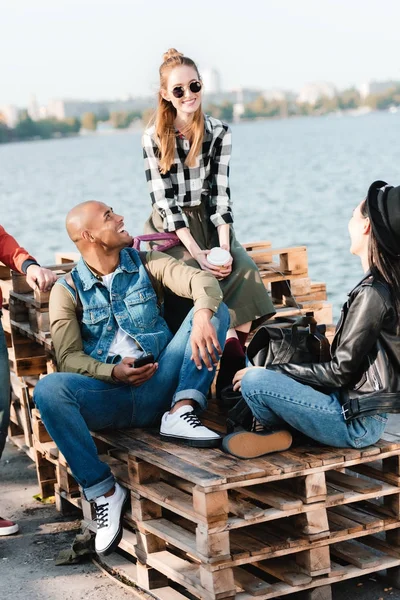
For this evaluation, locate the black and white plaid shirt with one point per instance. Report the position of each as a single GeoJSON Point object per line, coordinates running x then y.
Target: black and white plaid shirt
{"type": "Point", "coordinates": [184, 186]}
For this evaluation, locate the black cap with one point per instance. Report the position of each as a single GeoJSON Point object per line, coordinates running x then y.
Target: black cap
{"type": "Point", "coordinates": [383, 204]}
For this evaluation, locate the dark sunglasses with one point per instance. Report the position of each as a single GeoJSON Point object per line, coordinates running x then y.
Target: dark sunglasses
{"type": "Point", "coordinates": [179, 90]}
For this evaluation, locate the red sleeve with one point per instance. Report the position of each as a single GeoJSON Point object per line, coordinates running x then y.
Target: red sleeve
{"type": "Point", "coordinates": [11, 252]}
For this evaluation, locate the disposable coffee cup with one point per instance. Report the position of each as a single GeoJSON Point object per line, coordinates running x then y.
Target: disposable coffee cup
{"type": "Point", "coordinates": [218, 257]}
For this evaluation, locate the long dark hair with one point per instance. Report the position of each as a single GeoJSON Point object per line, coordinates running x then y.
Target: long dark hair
{"type": "Point", "coordinates": [387, 265]}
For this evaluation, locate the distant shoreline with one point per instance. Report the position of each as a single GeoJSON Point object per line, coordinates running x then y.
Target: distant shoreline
{"type": "Point", "coordinates": [358, 112]}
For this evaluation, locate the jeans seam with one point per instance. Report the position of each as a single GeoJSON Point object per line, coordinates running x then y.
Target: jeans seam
{"type": "Point", "coordinates": [292, 401]}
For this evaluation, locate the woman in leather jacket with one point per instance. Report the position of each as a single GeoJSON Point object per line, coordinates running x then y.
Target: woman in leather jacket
{"type": "Point", "coordinates": [343, 402]}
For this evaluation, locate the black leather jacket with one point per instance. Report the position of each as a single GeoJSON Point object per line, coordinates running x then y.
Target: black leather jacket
{"type": "Point", "coordinates": [365, 364]}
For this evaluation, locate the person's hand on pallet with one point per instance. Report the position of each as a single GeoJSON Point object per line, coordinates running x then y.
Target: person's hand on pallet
{"type": "Point", "coordinates": [40, 277]}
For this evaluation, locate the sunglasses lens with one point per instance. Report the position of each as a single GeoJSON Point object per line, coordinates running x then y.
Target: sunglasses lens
{"type": "Point", "coordinates": [195, 87]}
{"type": "Point", "coordinates": [178, 91]}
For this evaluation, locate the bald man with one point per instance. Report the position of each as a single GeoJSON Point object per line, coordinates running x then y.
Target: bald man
{"type": "Point", "coordinates": [120, 364]}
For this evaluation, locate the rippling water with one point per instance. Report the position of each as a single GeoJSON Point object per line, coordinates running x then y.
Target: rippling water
{"type": "Point", "coordinates": [293, 182]}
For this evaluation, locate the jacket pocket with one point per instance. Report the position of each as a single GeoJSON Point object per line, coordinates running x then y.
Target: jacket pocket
{"type": "Point", "coordinates": [94, 321]}
{"type": "Point", "coordinates": [142, 308]}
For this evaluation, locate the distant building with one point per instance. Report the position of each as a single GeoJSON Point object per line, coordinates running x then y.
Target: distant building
{"type": "Point", "coordinates": [33, 109]}
{"type": "Point", "coordinates": [238, 110]}
{"type": "Point", "coordinates": [211, 80]}
{"type": "Point", "coordinates": [9, 115]}
{"type": "Point", "coordinates": [376, 88]}
{"type": "Point", "coordinates": [275, 95]}
{"type": "Point", "coordinates": [312, 92]}
{"type": "Point", "coordinates": [62, 109]}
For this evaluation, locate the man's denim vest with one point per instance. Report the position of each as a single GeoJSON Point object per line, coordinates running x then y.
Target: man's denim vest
{"type": "Point", "coordinates": [131, 304]}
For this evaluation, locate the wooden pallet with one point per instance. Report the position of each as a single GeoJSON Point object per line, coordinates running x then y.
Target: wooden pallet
{"type": "Point", "coordinates": [204, 524]}
{"type": "Point", "coordinates": [231, 523]}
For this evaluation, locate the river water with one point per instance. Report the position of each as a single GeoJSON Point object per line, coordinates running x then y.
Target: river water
{"type": "Point", "coordinates": [293, 182]}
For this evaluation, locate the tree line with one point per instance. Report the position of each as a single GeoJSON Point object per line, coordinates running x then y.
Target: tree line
{"type": "Point", "coordinates": [260, 108]}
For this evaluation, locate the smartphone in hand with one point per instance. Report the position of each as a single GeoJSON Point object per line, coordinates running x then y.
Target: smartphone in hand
{"type": "Point", "coordinates": [147, 359]}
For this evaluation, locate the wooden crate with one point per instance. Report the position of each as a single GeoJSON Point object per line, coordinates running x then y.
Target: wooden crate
{"type": "Point", "coordinates": [284, 271]}
{"type": "Point", "coordinates": [226, 528]}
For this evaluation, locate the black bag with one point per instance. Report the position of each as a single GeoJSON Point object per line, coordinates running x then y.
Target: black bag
{"type": "Point", "coordinates": [282, 341]}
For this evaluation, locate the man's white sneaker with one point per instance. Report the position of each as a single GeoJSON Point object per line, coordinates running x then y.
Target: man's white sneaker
{"type": "Point", "coordinates": [109, 512]}
{"type": "Point", "coordinates": [185, 427]}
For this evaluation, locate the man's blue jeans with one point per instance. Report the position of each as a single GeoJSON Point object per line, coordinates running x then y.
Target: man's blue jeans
{"type": "Point", "coordinates": [72, 404]}
{"type": "Point", "coordinates": [4, 390]}
{"type": "Point", "coordinates": [276, 400]}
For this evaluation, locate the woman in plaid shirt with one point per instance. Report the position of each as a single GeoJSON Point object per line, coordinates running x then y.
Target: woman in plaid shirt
{"type": "Point", "coordinates": [187, 156]}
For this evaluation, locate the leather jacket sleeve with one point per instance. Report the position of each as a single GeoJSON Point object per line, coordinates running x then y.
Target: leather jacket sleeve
{"type": "Point", "coordinates": [356, 336]}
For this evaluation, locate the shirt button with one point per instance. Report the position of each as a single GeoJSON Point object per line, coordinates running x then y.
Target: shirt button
{"type": "Point", "coordinates": [99, 351]}
{"type": "Point", "coordinates": [109, 328]}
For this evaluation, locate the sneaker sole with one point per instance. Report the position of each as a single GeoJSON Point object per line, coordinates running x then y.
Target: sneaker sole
{"type": "Point", "coordinates": [9, 530]}
{"type": "Point", "coordinates": [193, 443]}
{"type": "Point", "coordinates": [247, 444]}
{"type": "Point", "coordinates": [114, 544]}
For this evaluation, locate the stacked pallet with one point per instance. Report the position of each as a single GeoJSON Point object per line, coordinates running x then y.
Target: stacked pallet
{"type": "Point", "coordinates": [207, 525]}
{"type": "Point", "coordinates": [219, 527]}
{"type": "Point", "coordinates": [284, 272]}
{"type": "Point", "coordinates": [25, 320]}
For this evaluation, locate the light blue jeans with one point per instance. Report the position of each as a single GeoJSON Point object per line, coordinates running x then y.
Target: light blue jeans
{"type": "Point", "coordinates": [4, 390]}
{"type": "Point", "coordinates": [71, 404]}
{"type": "Point", "coordinates": [277, 400]}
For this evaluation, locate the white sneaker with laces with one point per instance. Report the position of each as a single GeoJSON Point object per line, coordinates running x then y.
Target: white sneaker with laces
{"type": "Point", "coordinates": [184, 426]}
{"type": "Point", "coordinates": [109, 512]}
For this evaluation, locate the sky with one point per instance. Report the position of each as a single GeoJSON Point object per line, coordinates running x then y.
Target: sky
{"type": "Point", "coordinates": [106, 49]}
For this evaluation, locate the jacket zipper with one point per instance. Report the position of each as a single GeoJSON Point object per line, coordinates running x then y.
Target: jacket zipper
{"type": "Point", "coordinates": [375, 376]}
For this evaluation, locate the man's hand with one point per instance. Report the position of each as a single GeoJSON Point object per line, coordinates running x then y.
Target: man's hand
{"type": "Point", "coordinates": [40, 277]}
{"type": "Point", "coordinates": [127, 373]}
{"type": "Point", "coordinates": [204, 340]}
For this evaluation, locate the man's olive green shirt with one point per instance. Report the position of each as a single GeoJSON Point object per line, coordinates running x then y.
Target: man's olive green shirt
{"type": "Point", "coordinates": [167, 272]}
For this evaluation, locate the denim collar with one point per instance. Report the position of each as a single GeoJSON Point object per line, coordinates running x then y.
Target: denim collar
{"type": "Point", "coordinates": [126, 263]}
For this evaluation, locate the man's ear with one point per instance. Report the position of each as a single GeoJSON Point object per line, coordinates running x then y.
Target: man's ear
{"type": "Point", "coordinates": [87, 236]}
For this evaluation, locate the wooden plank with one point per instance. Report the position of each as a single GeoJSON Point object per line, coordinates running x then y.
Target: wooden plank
{"type": "Point", "coordinates": [216, 461]}
{"type": "Point", "coordinates": [169, 497]}
{"type": "Point", "coordinates": [250, 583]}
{"type": "Point", "coordinates": [359, 516]}
{"type": "Point", "coordinates": [344, 573]}
{"type": "Point", "coordinates": [285, 569]}
{"type": "Point", "coordinates": [164, 460]}
{"type": "Point", "coordinates": [356, 554]}
{"type": "Point", "coordinates": [173, 534]}
{"type": "Point", "coordinates": [340, 525]}
{"type": "Point", "coordinates": [374, 542]}
{"type": "Point", "coordinates": [374, 471]}
{"type": "Point", "coordinates": [272, 496]}
{"type": "Point", "coordinates": [358, 484]}
{"type": "Point", "coordinates": [179, 570]}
